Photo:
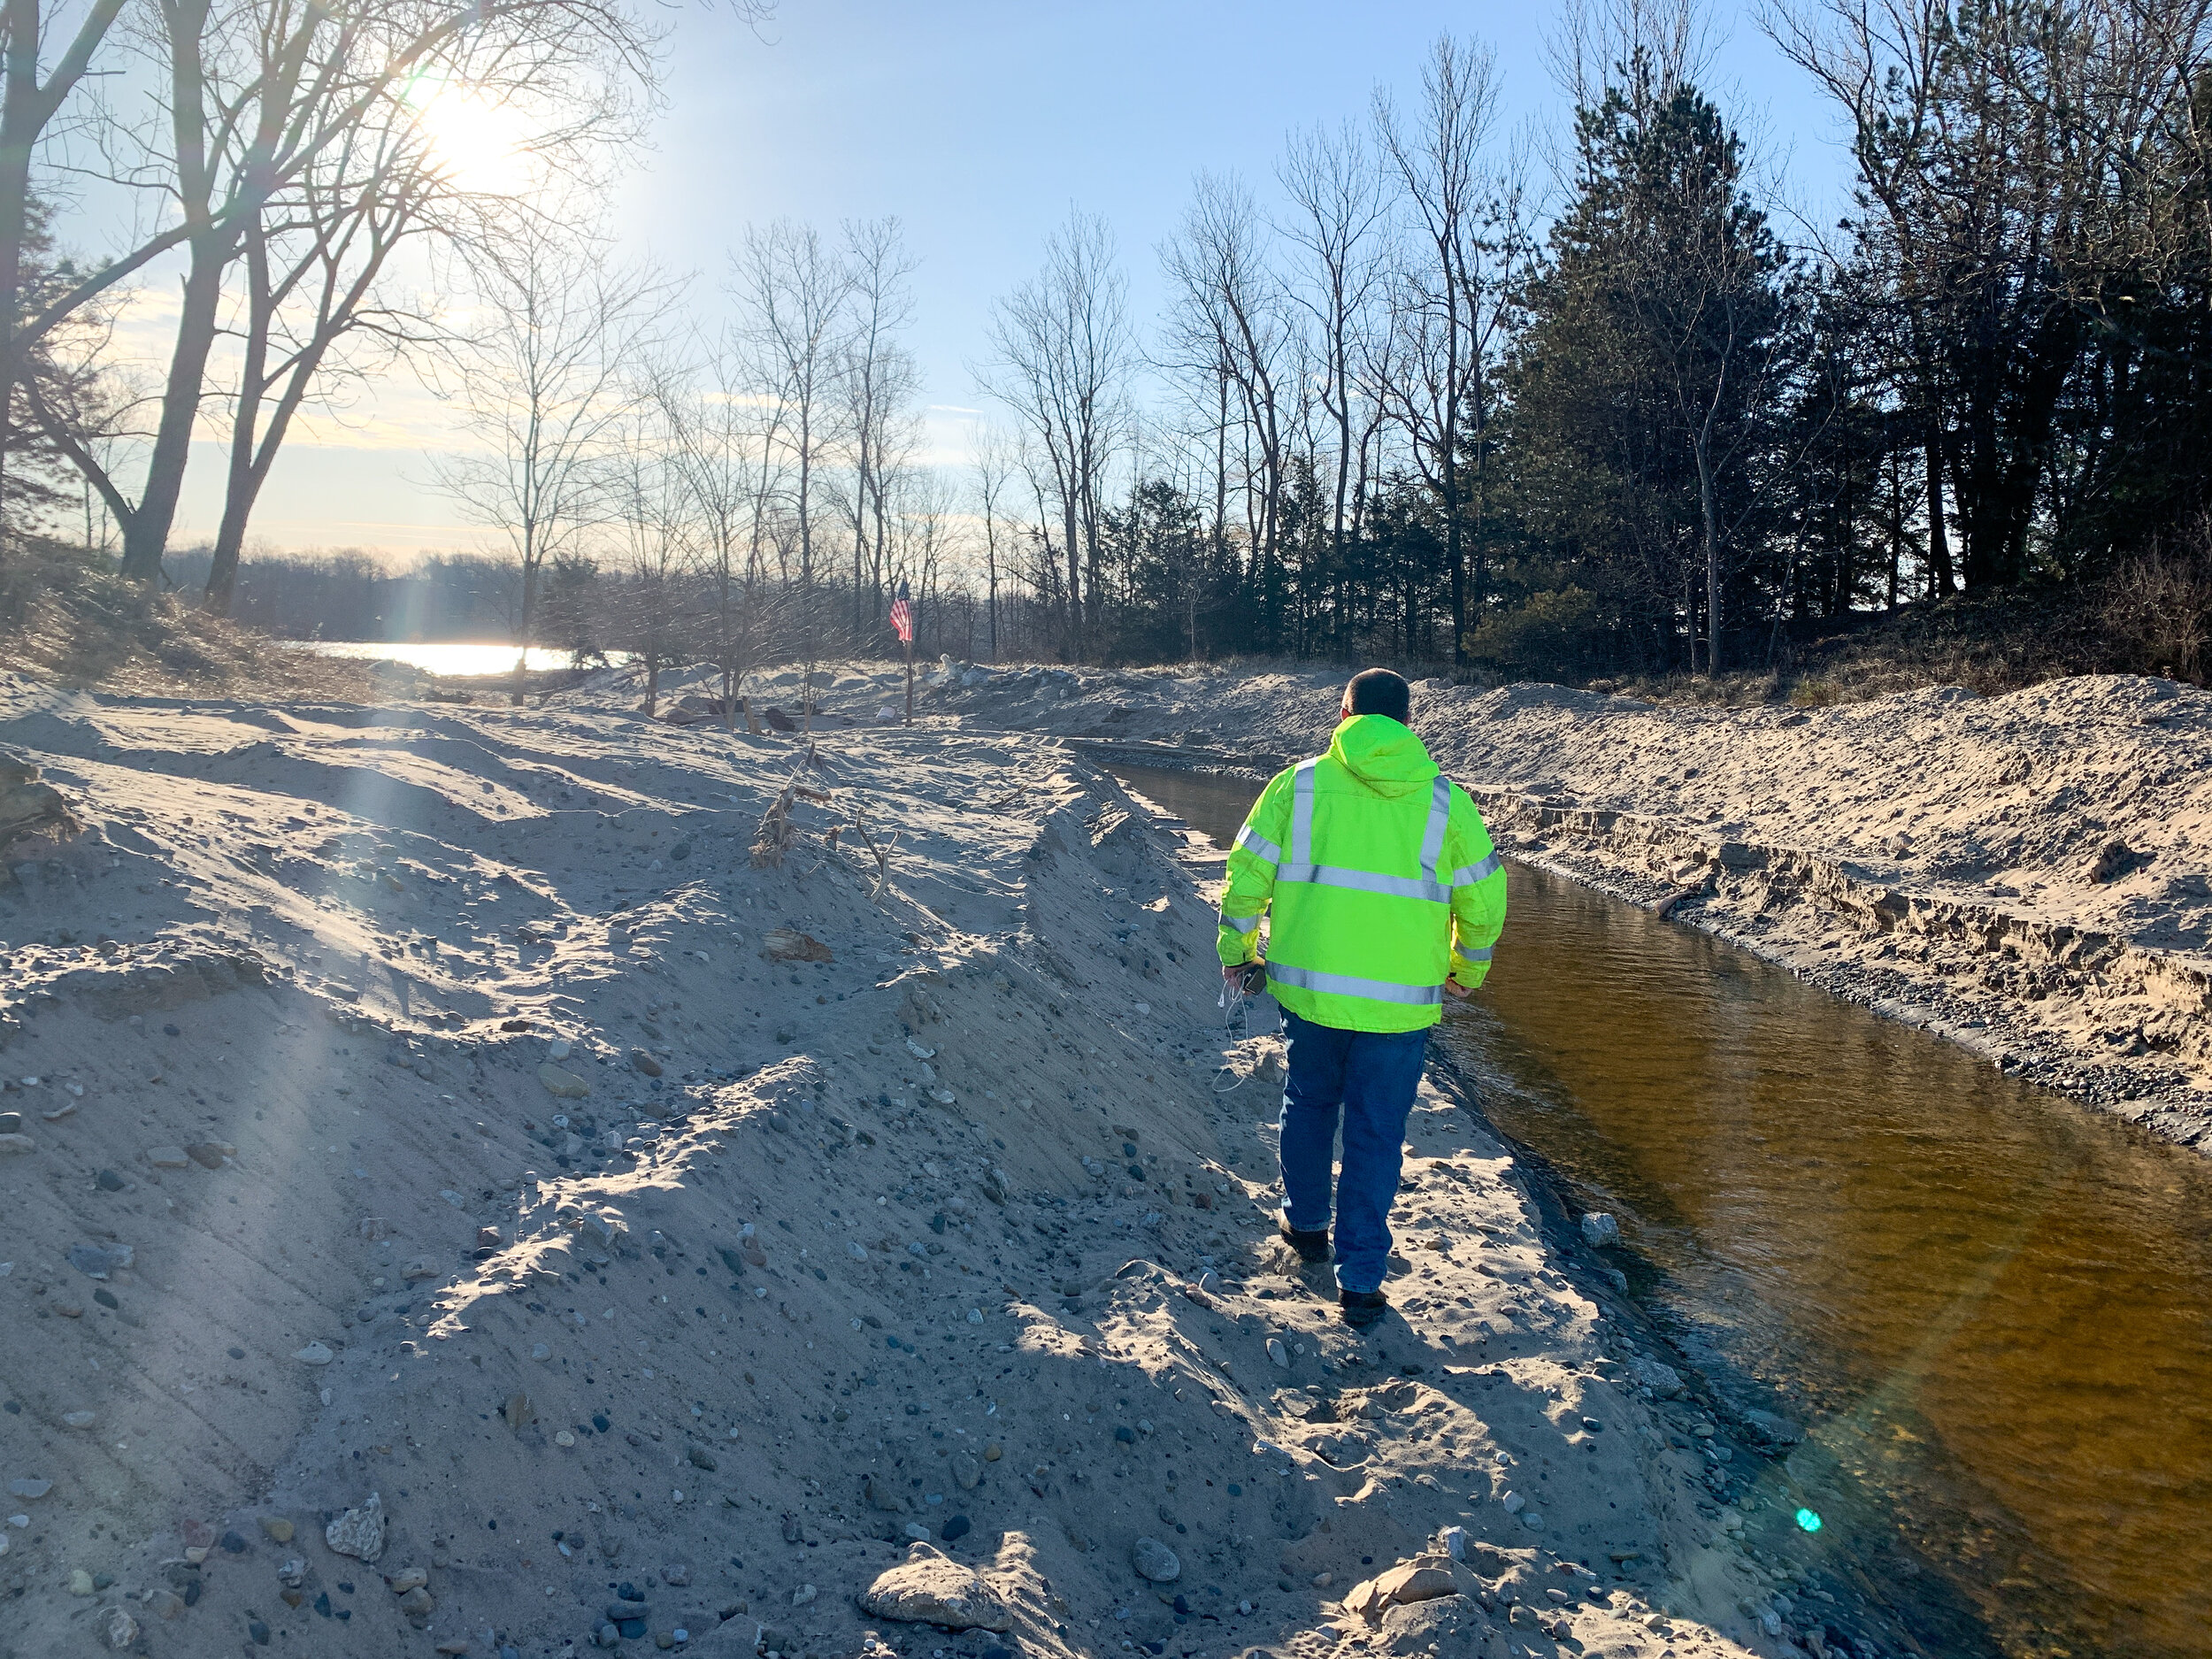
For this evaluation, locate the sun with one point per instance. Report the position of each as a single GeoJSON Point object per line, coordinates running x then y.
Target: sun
{"type": "Point", "coordinates": [478, 143]}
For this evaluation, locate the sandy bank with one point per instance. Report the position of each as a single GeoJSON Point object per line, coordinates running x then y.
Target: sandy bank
{"type": "Point", "coordinates": [438, 1110]}
{"type": "Point", "coordinates": [2030, 875]}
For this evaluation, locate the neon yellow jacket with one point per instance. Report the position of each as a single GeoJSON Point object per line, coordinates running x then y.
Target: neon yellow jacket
{"type": "Point", "coordinates": [1381, 879]}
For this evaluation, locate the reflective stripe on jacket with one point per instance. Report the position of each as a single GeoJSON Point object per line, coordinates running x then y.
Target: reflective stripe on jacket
{"type": "Point", "coordinates": [1380, 879]}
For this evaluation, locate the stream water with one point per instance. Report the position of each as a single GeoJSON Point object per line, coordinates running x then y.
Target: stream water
{"type": "Point", "coordinates": [1991, 1308]}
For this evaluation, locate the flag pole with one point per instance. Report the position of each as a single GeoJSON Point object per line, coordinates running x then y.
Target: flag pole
{"type": "Point", "coordinates": [909, 679]}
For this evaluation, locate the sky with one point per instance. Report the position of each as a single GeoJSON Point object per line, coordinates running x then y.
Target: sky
{"type": "Point", "coordinates": [981, 124]}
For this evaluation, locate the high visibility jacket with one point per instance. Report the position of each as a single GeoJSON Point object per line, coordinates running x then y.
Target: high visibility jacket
{"type": "Point", "coordinates": [1380, 877]}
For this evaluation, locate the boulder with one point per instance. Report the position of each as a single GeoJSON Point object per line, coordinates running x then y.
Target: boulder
{"type": "Point", "coordinates": [928, 1587]}
{"type": "Point", "coordinates": [1422, 1578]}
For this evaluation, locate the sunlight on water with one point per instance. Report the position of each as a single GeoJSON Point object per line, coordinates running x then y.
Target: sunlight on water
{"type": "Point", "coordinates": [1990, 1308]}
{"type": "Point", "coordinates": [445, 656]}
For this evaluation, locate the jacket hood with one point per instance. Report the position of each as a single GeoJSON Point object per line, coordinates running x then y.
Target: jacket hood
{"type": "Point", "coordinates": [1382, 755]}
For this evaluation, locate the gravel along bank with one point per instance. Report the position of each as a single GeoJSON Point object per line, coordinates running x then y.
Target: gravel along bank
{"type": "Point", "coordinates": [508, 1182]}
{"type": "Point", "coordinates": [2030, 875]}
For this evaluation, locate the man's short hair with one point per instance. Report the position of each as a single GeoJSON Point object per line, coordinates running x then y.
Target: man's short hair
{"type": "Point", "coordinates": [1379, 691]}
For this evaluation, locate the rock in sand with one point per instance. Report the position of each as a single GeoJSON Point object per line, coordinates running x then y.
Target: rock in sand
{"type": "Point", "coordinates": [563, 1085]}
{"type": "Point", "coordinates": [929, 1587]}
{"type": "Point", "coordinates": [1154, 1561]}
{"type": "Point", "coordinates": [359, 1532]}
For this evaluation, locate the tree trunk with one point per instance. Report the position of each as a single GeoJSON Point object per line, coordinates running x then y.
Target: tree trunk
{"type": "Point", "coordinates": [147, 536]}
{"type": "Point", "coordinates": [1941, 583]}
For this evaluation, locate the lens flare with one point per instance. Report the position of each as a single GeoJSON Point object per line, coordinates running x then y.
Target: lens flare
{"type": "Point", "coordinates": [1809, 1520]}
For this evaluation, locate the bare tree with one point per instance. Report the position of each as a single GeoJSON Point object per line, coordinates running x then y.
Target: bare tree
{"type": "Point", "coordinates": [879, 378]}
{"type": "Point", "coordinates": [543, 385]}
{"type": "Point", "coordinates": [28, 107]}
{"type": "Point", "coordinates": [995, 464]}
{"type": "Point", "coordinates": [724, 437]}
{"type": "Point", "coordinates": [1449, 301]}
{"type": "Point", "coordinates": [794, 293]}
{"type": "Point", "coordinates": [1591, 43]}
{"type": "Point", "coordinates": [1062, 355]}
{"type": "Point", "coordinates": [1229, 322]}
{"type": "Point", "coordinates": [657, 514]}
{"type": "Point", "coordinates": [257, 92]}
{"type": "Point", "coordinates": [1338, 213]}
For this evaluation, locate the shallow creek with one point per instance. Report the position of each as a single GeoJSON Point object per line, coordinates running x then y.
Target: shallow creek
{"type": "Point", "coordinates": [1991, 1310]}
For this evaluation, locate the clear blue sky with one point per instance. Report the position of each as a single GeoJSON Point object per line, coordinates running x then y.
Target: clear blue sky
{"type": "Point", "coordinates": [979, 123]}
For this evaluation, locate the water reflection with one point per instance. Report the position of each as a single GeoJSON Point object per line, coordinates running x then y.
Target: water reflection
{"type": "Point", "coordinates": [446, 656]}
{"type": "Point", "coordinates": [1992, 1307]}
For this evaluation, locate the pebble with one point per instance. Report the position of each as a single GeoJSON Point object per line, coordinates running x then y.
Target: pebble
{"type": "Point", "coordinates": [106, 1180]}
{"type": "Point", "coordinates": [277, 1528]}
{"type": "Point", "coordinates": [17, 1143]}
{"type": "Point", "coordinates": [1154, 1561]}
{"type": "Point", "coordinates": [79, 1419]}
{"type": "Point", "coordinates": [1599, 1229]}
{"type": "Point", "coordinates": [313, 1354]}
{"type": "Point", "coordinates": [803, 1594]}
{"type": "Point", "coordinates": [80, 1582]}
{"type": "Point", "coordinates": [29, 1488]}
{"type": "Point", "coordinates": [564, 1439]}
{"type": "Point", "coordinates": [209, 1154]}
{"type": "Point", "coordinates": [167, 1158]}
{"type": "Point", "coordinates": [540, 1353]}
{"type": "Point", "coordinates": [1277, 1352]}
{"type": "Point", "coordinates": [122, 1629]}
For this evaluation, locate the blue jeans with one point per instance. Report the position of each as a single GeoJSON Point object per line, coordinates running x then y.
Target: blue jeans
{"type": "Point", "coordinates": [1368, 1079]}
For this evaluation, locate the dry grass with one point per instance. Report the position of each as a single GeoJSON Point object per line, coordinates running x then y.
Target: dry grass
{"type": "Point", "coordinates": [66, 618]}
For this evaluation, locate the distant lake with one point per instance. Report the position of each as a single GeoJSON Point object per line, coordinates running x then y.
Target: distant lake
{"type": "Point", "coordinates": [445, 656]}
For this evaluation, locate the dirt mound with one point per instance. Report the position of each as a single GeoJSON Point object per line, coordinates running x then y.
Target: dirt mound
{"type": "Point", "coordinates": [68, 619]}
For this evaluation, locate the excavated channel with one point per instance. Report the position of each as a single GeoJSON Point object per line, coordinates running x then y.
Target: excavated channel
{"type": "Point", "coordinates": [1989, 1309]}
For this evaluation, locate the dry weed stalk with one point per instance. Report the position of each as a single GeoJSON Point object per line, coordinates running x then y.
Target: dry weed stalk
{"type": "Point", "coordinates": [880, 851]}
{"type": "Point", "coordinates": [777, 833]}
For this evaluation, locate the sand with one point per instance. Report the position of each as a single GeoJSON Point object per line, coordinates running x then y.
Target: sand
{"type": "Point", "coordinates": [437, 1129]}
{"type": "Point", "coordinates": [2030, 875]}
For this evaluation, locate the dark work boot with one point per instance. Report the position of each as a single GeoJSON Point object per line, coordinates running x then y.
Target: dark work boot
{"type": "Point", "coordinates": [1312, 1245]}
{"type": "Point", "coordinates": [1363, 1308]}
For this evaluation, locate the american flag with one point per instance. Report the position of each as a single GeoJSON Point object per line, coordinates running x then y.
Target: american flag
{"type": "Point", "coordinates": [902, 616]}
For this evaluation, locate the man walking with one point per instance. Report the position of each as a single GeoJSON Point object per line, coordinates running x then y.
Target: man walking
{"type": "Point", "coordinates": [1385, 896]}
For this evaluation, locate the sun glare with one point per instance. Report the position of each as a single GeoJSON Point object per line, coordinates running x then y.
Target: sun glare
{"type": "Point", "coordinates": [478, 142]}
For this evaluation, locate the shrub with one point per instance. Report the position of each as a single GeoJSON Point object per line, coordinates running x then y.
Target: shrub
{"type": "Point", "coordinates": [1554, 633]}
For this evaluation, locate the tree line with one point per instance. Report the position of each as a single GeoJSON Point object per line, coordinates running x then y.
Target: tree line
{"type": "Point", "coordinates": [1435, 389]}
{"type": "Point", "coordinates": [1423, 402]}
